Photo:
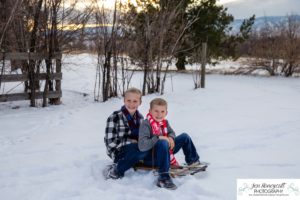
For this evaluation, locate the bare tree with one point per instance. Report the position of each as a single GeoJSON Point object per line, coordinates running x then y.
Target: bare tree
{"type": "Point", "coordinates": [154, 39]}
{"type": "Point", "coordinates": [275, 47]}
{"type": "Point", "coordinates": [38, 26]}
{"type": "Point", "coordinates": [105, 40]}
{"type": "Point", "coordinates": [291, 45]}
{"type": "Point", "coordinates": [265, 48]}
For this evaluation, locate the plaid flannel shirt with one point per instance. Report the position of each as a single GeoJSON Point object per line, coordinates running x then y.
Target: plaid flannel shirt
{"type": "Point", "coordinates": [117, 132]}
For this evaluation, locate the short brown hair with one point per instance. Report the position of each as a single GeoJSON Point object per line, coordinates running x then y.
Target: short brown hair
{"type": "Point", "coordinates": [133, 90]}
{"type": "Point", "coordinates": [158, 102]}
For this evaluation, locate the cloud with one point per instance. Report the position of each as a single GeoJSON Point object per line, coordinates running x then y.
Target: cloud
{"type": "Point", "coordinates": [246, 8]}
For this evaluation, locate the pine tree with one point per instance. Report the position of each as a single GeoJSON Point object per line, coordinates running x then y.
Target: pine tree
{"type": "Point", "coordinates": [210, 23]}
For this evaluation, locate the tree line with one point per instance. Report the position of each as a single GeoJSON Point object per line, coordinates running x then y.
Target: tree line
{"type": "Point", "coordinates": [153, 33]}
{"type": "Point", "coordinates": [275, 47]}
{"type": "Point", "coordinates": [149, 36]}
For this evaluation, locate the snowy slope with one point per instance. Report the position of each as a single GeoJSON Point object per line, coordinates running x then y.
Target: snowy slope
{"type": "Point", "coordinates": [246, 127]}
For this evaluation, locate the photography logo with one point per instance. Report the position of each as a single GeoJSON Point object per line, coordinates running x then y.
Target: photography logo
{"type": "Point", "coordinates": [265, 189]}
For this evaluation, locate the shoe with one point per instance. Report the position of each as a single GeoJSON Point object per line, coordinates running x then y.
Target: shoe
{"type": "Point", "coordinates": [197, 164]}
{"type": "Point", "coordinates": [167, 183]}
{"type": "Point", "coordinates": [176, 167]}
{"type": "Point", "coordinates": [194, 164]}
{"type": "Point", "coordinates": [112, 173]}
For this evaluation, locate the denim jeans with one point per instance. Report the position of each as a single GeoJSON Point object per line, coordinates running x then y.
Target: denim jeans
{"type": "Point", "coordinates": [128, 157]}
{"type": "Point", "coordinates": [159, 156]}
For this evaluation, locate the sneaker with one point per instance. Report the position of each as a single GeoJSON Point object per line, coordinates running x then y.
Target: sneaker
{"type": "Point", "coordinates": [197, 164]}
{"type": "Point", "coordinates": [112, 173]}
{"type": "Point", "coordinates": [167, 183]}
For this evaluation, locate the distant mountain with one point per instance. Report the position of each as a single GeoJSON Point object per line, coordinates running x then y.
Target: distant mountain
{"type": "Point", "coordinates": [260, 22]}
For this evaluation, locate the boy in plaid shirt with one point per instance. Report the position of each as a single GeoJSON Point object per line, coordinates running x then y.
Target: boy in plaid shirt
{"type": "Point", "coordinates": [121, 135]}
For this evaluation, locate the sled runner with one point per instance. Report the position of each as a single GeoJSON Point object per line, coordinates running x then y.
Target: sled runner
{"type": "Point", "coordinates": [175, 171]}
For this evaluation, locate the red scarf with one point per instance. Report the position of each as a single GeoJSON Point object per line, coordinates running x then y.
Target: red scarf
{"type": "Point", "coordinates": [160, 128]}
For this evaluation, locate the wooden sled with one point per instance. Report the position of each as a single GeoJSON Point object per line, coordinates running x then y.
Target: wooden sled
{"type": "Point", "coordinates": [175, 171]}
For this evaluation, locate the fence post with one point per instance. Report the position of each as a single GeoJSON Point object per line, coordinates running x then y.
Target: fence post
{"type": "Point", "coordinates": [58, 82]}
{"type": "Point", "coordinates": [203, 63]}
{"type": "Point", "coordinates": [3, 66]}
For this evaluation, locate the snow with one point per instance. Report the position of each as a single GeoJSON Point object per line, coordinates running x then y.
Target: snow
{"type": "Point", "coordinates": [245, 126]}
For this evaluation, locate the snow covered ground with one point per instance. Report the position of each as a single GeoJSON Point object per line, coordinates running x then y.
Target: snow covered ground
{"type": "Point", "coordinates": [246, 127]}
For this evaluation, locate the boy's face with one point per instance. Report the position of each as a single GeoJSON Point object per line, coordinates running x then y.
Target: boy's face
{"type": "Point", "coordinates": [158, 112]}
{"type": "Point", "coordinates": [132, 102]}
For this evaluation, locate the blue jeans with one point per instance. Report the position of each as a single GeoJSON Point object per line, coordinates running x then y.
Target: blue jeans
{"type": "Point", "coordinates": [159, 156]}
{"type": "Point", "coordinates": [128, 157]}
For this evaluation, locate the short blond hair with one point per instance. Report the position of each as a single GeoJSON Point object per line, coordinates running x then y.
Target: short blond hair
{"type": "Point", "coordinates": [133, 90]}
{"type": "Point", "coordinates": [158, 102]}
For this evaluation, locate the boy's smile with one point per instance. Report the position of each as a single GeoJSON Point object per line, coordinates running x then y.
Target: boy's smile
{"type": "Point", "coordinates": [158, 112]}
{"type": "Point", "coordinates": [132, 101]}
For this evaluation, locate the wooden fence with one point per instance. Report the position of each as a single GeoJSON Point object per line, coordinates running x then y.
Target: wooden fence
{"type": "Point", "coordinates": [56, 76]}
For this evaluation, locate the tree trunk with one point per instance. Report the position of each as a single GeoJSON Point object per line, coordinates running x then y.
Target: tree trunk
{"type": "Point", "coordinates": [203, 63]}
{"type": "Point", "coordinates": [32, 63]}
{"type": "Point", "coordinates": [180, 64]}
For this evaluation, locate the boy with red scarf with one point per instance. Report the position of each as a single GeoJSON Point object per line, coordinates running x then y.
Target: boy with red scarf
{"type": "Point", "coordinates": [155, 133]}
{"type": "Point", "coordinates": [121, 135]}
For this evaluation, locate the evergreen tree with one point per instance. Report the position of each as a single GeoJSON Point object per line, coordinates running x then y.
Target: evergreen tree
{"type": "Point", "coordinates": [210, 23]}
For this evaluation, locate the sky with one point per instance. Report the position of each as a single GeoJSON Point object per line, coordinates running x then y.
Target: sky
{"type": "Point", "coordinates": [240, 8]}
{"type": "Point", "coordinates": [246, 8]}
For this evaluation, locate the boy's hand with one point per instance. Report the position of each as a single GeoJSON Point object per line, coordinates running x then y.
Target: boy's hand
{"type": "Point", "coordinates": [171, 142]}
{"type": "Point", "coordinates": [133, 141]}
{"type": "Point", "coordinates": [164, 138]}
